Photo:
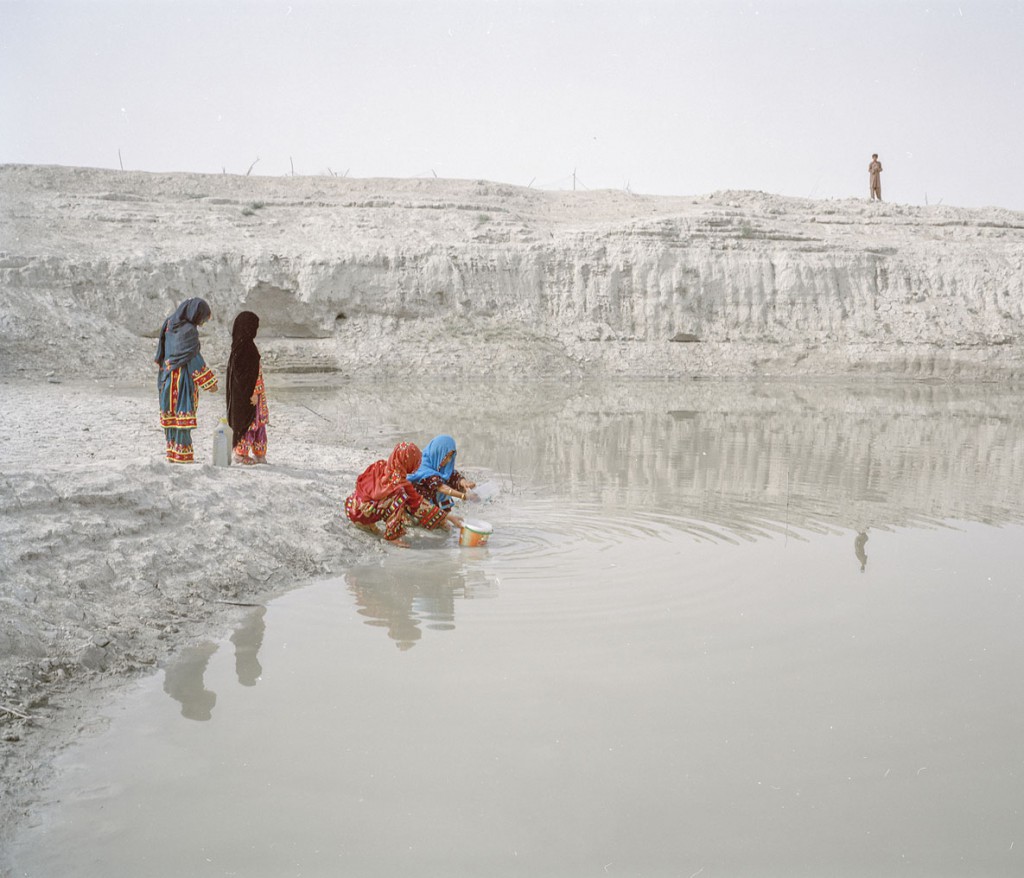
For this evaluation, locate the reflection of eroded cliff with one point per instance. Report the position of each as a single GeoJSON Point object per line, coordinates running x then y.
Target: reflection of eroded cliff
{"type": "Point", "coordinates": [836, 468]}
{"type": "Point", "coordinates": [353, 273]}
{"type": "Point", "coordinates": [740, 457]}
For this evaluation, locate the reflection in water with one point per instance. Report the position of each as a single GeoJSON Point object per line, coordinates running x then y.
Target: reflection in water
{"type": "Point", "coordinates": [722, 461]}
{"type": "Point", "coordinates": [183, 678]}
{"type": "Point", "coordinates": [858, 549]}
{"type": "Point", "coordinates": [247, 640]}
{"type": "Point", "coordinates": [404, 596]}
{"type": "Point", "coordinates": [183, 681]}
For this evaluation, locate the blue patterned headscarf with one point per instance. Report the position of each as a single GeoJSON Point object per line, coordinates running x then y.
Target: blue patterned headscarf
{"type": "Point", "coordinates": [179, 336]}
{"type": "Point", "coordinates": [433, 454]}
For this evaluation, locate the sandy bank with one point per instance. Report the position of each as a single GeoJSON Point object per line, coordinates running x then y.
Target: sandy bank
{"type": "Point", "coordinates": [398, 275]}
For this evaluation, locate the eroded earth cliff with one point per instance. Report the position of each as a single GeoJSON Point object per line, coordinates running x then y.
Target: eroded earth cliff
{"type": "Point", "coordinates": [354, 276]}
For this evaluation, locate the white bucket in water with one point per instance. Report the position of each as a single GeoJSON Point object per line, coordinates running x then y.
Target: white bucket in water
{"type": "Point", "coordinates": [475, 533]}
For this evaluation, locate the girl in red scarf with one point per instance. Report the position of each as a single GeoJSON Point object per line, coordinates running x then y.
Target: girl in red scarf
{"type": "Point", "coordinates": [384, 493]}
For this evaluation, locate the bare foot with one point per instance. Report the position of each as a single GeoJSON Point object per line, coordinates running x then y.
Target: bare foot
{"type": "Point", "coordinates": [368, 528]}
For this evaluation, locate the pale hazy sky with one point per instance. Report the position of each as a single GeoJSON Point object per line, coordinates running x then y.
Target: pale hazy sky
{"type": "Point", "coordinates": [676, 97]}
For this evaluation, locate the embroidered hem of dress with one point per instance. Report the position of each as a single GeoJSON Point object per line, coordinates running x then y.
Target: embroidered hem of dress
{"type": "Point", "coordinates": [179, 453]}
{"type": "Point", "coordinates": [176, 421]}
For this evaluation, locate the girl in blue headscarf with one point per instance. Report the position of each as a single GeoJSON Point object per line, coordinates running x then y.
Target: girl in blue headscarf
{"type": "Point", "coordinates": [183, 373]}
{"type": "Point", "coordinates": [437, 480]}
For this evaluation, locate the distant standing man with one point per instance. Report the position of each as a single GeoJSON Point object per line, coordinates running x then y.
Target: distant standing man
{"type": "Point", "coordinates": [875, 177]}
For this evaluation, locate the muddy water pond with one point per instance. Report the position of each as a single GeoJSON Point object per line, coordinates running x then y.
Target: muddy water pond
{"type": "Point", "coordinates": [719, 630]}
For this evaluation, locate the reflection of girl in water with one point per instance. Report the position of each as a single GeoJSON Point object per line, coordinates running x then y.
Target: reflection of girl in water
{"type": "Point", "coordinates": [247, 640]}
{"type": "Point", "coordinates": [384, 493]}
{"type": "Point", "coordinates": [183, 681]}
{"type": "Point", "coordinates": [438, 480]}
{"type": "Point", "coordinates": [858, 549]}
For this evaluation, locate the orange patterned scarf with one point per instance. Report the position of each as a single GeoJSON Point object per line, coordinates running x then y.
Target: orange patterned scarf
{"type": "Point", "coordinates": [384, 477]}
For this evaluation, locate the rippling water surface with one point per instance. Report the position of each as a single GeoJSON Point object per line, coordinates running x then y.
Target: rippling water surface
{"type": "Point", "coordinates": [719, 630]}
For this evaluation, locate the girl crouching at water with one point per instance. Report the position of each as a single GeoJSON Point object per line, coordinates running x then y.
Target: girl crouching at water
{"type": "Point", "coordinates": [247, 400]}
{"type": "Point", "coordinates": [438, 481]}
{"type": "Point", "coordinates": [384, 493]}
{"type": "Point", "coordinates": [183, 373]}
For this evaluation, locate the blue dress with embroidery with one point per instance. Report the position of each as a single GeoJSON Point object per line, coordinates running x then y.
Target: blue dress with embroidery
{"type": "Point", "coordinates": [183, 372]}
{"type": "Point", "coordinates": [179, 398]}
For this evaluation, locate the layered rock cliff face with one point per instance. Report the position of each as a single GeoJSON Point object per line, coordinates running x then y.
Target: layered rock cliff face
{"type": "Point", "coordinates": [390, 276]}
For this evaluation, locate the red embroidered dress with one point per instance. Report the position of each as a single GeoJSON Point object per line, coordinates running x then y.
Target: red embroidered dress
{"type": "Point", "coordinates": [255, 438]}
{"type": "Point", "coordinates": [428, 488]}
{"type": "Point", "coordinates": [384, 493]}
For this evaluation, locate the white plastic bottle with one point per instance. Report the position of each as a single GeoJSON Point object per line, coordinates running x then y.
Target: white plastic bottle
{"type": "Point", "coordinates": [222, 444]}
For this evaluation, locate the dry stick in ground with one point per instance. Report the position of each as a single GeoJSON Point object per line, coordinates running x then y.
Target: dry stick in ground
{"type": "Point", "coordinates": [315, 412]}
{"type": "Point", "coordinates": [17, 713]}
{"type": "Point", "coordinates": [253, 165]}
